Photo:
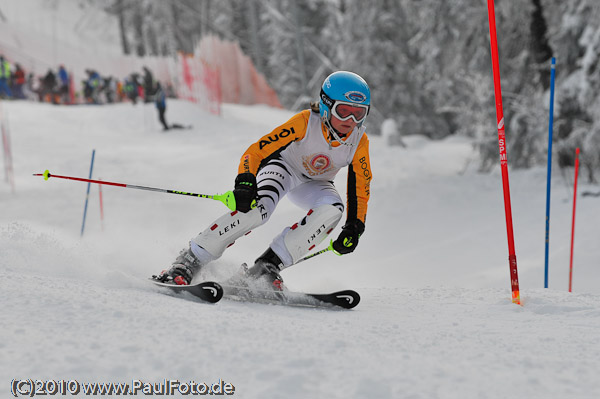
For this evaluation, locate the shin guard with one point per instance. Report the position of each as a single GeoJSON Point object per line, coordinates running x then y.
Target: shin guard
{"type": "Point", "coordinates": [225, 230]}
{"type": "Point", "coordinates": [294, 242]}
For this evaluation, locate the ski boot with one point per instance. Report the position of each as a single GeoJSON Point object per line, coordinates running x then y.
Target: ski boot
{"type": "Point", "coordinates": [182, 271]}
{"type": "Point", "coordinates": [266, 269]}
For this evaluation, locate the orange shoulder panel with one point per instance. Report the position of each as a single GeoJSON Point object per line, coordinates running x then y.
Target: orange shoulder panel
{"type": "Point", "coordinates": [292, 130]}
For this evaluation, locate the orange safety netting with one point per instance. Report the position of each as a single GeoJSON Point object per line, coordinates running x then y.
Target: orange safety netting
{"type": "Point", "coordinates": [240, 82]}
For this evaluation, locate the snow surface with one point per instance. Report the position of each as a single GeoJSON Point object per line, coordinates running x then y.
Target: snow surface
{"type": "Point", "coordinates": [435, 321]}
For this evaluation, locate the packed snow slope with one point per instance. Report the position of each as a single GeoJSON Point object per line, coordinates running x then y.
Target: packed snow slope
{"type": "Point", "coordinates": [435, 321]}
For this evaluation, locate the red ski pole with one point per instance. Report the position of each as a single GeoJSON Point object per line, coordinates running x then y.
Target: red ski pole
{"type": "Point", "coordinates": [227, 198]}
{"type": "Point", "coordinates": [573, 220]}
{"type": "Point", "coordinates": [512, 258]}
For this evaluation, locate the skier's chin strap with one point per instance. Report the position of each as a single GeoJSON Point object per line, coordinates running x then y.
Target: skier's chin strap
{"type": "Point", "coordinates": [333, 133]}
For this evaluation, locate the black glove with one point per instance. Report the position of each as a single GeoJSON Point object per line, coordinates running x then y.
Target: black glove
{"type": "Point", "coordinates": [348, 238]}
{"type": "Point", "coordinates": [244, 191]}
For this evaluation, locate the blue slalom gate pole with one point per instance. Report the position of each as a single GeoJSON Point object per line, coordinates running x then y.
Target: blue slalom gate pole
{"type": "Point", "coordinates": [548, 181]}
{"type": "Point", "coordinates": [87, 195]}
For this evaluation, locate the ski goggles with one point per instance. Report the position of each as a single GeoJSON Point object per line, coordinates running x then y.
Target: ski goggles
{"type": "Point", "coordinates": [344, 111]}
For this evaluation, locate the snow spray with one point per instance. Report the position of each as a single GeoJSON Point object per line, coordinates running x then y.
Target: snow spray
{"type": "Point", "coordinates": [512, 258]}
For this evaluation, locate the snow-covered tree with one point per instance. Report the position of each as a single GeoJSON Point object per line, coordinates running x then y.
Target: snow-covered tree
{"type": "Point", "coordinates": [427, 62]}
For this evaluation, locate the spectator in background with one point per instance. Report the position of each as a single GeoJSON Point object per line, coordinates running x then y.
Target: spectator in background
{"type": "Point", "coordinates": [32, 87]}
{"type": "Point", "coordinates": [149, 85]}
{"type": "Point", "coordinates": [93, 85]}
{"type": "Point", "coordinates": [87, 91]}
{"type": "Point", "coordinates": [48, 90]}
{"type": "Point", "coordinates": [18, 82]}
{"type": "Point", "coordinates": [110, 89]}
{"type": "Point", "coordinates": [139, 85]}
{"type": "Point", "coordinates": [131, 87]}
{"type": "Point", "coordinates": [121, 95]}
{"type": "Point", "coordinates": [4, 78]}
{"type": "Point", "coordinates": [63, 88]}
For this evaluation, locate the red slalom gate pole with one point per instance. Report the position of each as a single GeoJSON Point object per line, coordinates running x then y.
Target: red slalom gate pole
{"type": "Point", "coordinates": [512, 258]}
{"type": "Point", "coordinates": [573, 220]}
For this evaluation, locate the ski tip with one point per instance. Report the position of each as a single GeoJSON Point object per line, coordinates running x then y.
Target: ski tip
{"type": "Point", "coordinates": [213, 292]}
{"type": "Point", "coordinates": [346, 299]}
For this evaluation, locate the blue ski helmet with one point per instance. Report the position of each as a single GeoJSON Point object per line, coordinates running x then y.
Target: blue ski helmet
{"type": "Point", "coordinates": [343, 86]}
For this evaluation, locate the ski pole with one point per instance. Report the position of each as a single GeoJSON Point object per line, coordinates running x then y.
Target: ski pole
{"type": "Point", "coordinates": [227, 198]}
{"type": "Point", "coordinates": [329, 248]}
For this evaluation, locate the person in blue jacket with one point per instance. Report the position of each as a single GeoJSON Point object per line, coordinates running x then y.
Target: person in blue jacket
{"type": "Point", "coordinates": [160, 100]}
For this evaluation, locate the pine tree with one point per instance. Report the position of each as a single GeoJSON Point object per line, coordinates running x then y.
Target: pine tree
{"type": "Point", "coordinates": [427, 62]}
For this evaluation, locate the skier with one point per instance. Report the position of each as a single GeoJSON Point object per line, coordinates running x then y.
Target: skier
{"type": "Point", "coordinates": [299, 159]}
